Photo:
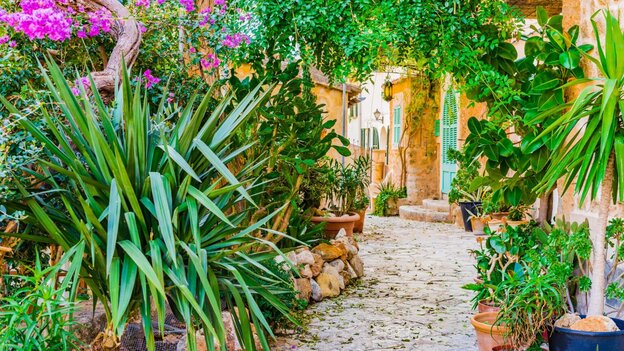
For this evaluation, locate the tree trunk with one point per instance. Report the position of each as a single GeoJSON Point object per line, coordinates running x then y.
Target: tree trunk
{"type": "Point", "coordinates": [125, 31]}
{"type": "Point", "coordinates": [544, 212]}
{"type": "Point", "coordinates": [599, 251]}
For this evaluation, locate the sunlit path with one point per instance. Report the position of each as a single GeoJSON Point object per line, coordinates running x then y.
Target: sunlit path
{"type": "Point", "coordinates": [410, 297]}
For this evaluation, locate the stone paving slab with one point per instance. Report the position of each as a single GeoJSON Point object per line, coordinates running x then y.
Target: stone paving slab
{"type": "Point", "coordinates": [409, 299]}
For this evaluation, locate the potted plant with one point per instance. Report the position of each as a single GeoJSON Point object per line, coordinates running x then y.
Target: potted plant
{"type": "Point", "coordinates": [470, 203]}
{"type": "Point", "coordinates": [489, 333]}
{"type": "Point", "coordinates": [517, 215]}
{"type": "Point", "coordinates": [478, 221]}
{"type": "Point", "coordinates": [467, 172]}
{"type": "Point", "coordinates": [344, 186]}
{"type": "Point", "coordinates": [386, 202]}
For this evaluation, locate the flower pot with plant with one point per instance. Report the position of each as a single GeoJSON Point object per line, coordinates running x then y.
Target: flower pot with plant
{"type": "Point", "coordinates": [386, 202]}
{"type": "Point", "coordinates": [517, 215]}
{"type": "Point", "coordinates": [345, 191]}
{"type": "Point", "coordinates": [471, 203]}
{"type": "Point", "coordinates": [479, 221]}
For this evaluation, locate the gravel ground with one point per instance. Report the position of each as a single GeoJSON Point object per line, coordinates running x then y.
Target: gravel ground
{"type": "Point", "coordinates": [409, 299]}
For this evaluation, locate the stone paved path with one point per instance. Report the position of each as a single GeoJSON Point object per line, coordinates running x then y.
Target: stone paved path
{"type": "Point", "coordinates": [409, 299]}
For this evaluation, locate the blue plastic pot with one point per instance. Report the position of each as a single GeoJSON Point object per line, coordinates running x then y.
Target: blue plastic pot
{"type": "Point", "coordinates": [573, 340]}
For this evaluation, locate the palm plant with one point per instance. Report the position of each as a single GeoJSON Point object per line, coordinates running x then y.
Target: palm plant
{"type": "Point", "coordinates": [159, 211]}
{"type": "Point", "coordinates": [588, 144]}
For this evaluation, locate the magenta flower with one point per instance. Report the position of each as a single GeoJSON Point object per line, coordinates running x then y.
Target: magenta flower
{"type": "Point", "coordinates": [150, 80]}
{"type": "Point", "coordinates": [189, 5]}
{"type": "Point", "coordinates": [12, 44]}
{"type": "Point", "coordinates": [192, 50]}
{"type": "Point", "coordinates": [210, 62]}
{"type": "Point", "coordinates": [219, 2]}
{"type": "Point", "coordinates": [144, 3]}
{"type": "Point", "coordinates": [4, 39]}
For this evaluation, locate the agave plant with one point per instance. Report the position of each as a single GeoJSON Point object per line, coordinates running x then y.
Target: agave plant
{"type": "Point", "coordinates": [159, 211]}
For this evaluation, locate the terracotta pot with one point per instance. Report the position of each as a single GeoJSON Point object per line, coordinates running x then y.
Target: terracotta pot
{"type": "Point", "coordinates": [515, 223]}
{"type": "Point", "coordinates": [478, 226]}
{"type": "Point", "coordinates": [358, 227]}
{"type": "Point", "coordinates": [499, 215]}
{"type": "Point", "coordinates": [393, 207]}
{"type": "Point", "coordinates": [488, 335]}
{"type": "Point", "coordinates": [334, 224]}
{"type": "Point", "coordinates": [487, 306]}
{"type": "Point", "coordinates": [495, 224]}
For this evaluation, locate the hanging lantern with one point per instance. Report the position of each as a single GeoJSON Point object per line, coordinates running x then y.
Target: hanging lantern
{"type": "Point", "coordinates": [387, 89]}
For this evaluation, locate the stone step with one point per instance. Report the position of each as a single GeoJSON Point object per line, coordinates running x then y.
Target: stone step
{"type": "Point", "coordinates": [437, 205]}
{"type": "Point", "coordinates": [422, 214]}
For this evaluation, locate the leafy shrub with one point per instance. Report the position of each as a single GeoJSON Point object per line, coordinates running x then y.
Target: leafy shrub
{"type": "Point", "coordinates": [160, 213]}
{"type": "Point", "coordinates": [387, 192]}
{"type": "Point", "coordinates": [38, 316]}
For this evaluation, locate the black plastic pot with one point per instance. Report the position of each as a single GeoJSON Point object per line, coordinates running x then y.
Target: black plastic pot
{"type": "Point", "coordinates": [467, 210]}
{"type": "Point", "coordinates": [563, 339]}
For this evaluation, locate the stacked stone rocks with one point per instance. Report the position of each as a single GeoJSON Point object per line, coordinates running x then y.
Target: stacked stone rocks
{"type": "Point", "coordinates": [327, 269]}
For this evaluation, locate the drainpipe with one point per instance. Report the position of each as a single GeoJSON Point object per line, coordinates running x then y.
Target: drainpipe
{"type": "Point", "coordinates": [344, 113]}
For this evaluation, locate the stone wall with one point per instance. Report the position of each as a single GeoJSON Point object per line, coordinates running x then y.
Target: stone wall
{"type": "Point", "coordinates": [528, 6]}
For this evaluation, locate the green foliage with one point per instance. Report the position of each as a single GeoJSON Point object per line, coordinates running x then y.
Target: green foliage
{"type": "Point", "coordinates": [388, 192]}
{"type": "Point", "coordinates": [38, 316]}
{"type": "Point", "coordinates": [467, 172]}
{"type": "Point", "coordinates": [348, 185]}
{"type": "Point", "coordinates": [552, 58]}
{"type": "Point", "coordinates": [353, 38]}
{"type": "Point", "coordinates": [544, 286]}
{"type": "Point", "coordinates": [160, 213]}
{"type": "Point", "coordinates": [583, 158]}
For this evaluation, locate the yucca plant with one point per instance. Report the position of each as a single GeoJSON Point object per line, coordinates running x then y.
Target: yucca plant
{"type": "Point", "coordinates": [588, 147]}
{"type": "Point", "coordinates": [157, 207]}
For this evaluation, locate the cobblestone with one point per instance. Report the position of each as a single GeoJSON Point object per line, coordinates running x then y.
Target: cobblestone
{"type": "Point", "coordinates": [410, 297]}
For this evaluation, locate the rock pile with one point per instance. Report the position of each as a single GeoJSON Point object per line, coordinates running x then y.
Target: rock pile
{"type": "Point", "coordinates": [327, 269]}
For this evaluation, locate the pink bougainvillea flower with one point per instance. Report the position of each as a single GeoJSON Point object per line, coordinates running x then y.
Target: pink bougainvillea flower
{"type": "Point", "coordinates": [210, 62]}
{"type": "Point", "coordinates": [39, 19]}
{"type": "Point", "coordinates": [189, 5]}
{"type": "Point", "coordinates": [219, 2]}
{"type": "Point", "coordinates": [143, 3]}
{"type": "Point", "coordinates": [150, 80]}
{"type": "Point", "coordinates": [4, 39]}
{"type": "Point", "coordinates": [234, 41]}
{"type": "Point", "coordinates": [142, 28]}
{"type": "Point", "coordinates": [12, 44]}
{"type": "Point", "coordinates": [192, 50]}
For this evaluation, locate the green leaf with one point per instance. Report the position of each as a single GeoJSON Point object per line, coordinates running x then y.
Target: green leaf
{"type": "Point", "coordinates": [542, 16]}
{"type": "Point", "coordinates": [163, 213]}
{"type": "Point", "coordinates": [570, 59]}
{"type": "Point", "coordinates": [497, 244]}
{"type": "Point", "coordinates": [114, 213]}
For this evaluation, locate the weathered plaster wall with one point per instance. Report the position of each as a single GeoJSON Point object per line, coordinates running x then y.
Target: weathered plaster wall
{"type": "Point", "coordinates": [420, 145]}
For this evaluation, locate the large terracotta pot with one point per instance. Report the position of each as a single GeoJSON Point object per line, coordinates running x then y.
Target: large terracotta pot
{"type": "Point", "coordinates": [487, 306]}
{"type": "Point", "coordinates": [334, 224]}
{"type": "Point", "coordinates": [499, 215]}
{"type": "Point", "coordinates": [358, 227]}
{"type": "Point", "coordinates": [488, 335]}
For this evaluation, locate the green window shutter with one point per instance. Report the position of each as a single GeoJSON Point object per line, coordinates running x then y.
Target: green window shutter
{"type": "Point", "coordinates": [396, 128]}
{"type": "Point", "coordinates": [449, 140]}
{"type": "Point", "coordinates": [363, 137]}
{"type": "Point", "coordinates": [375, 139]}
{"type": "Point", "coordinates": [436, 128]}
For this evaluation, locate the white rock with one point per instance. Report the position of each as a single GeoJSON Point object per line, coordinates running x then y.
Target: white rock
{"type": "Point", "coordinates": [338, 264]}
{"type": "Point", "coordinates": [305, 257]}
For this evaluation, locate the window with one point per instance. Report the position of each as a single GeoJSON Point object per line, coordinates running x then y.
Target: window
{"type": "Point", "coordinates": [396, 127]}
